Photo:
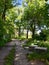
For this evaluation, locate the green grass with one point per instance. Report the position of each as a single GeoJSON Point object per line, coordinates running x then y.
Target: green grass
{"type": "Point", "coordinates": [9, 60]}
{"type": "Point", "coordinates": [40, 56]}
{"type": "Point", "coordinates": [36, 56]}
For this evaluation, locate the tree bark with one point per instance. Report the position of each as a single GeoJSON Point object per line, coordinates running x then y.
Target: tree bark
{"type": "Point", "coordinates": [3, 15]}
{"type": "Point", "coordinates": [33, 29]}
{"type": "Point", "coordinates": [19, 31]}
{"type": "Point", "coordinates": [33, 32]}
{"type": "Point", "coordinates": [27, 34]}
{"type": "Point", "coordinates": [4, 11]}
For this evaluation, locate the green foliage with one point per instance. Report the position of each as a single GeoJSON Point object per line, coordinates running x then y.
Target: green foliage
{"type": "Point", "coordinates": [28, 43]}
{"type": "Point", "coordinates": [2, 32]}
{"type": "Point", "coordinates": [36, 14]}
{"type": "Point", "coordinates": [42, 36]}
{"type": "Point", "coordinates": [7, 30]}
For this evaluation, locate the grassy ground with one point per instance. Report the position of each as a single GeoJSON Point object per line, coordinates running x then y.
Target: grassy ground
{"type": "Point", "coordinates": [9, 60]}
{"type": "Point", "coordinates": [40, 56]}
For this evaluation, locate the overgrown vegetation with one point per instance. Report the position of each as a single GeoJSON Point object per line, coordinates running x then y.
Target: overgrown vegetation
{"type": "Point", "coordinates": [6, 21]}
{"type": "Point", "coordinates": [39, 56]}
{"type": "Point", "coordinates": [42, 56]}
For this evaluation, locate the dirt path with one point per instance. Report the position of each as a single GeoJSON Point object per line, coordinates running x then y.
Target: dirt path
{"type": "Point", "coordinates": [20, 56]}
{"type": "Point", "coordinates": [5, 51]}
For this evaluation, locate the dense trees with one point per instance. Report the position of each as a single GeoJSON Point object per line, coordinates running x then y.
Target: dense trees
{"type": "Point", "coordinates": [36, 13]}
{"type": "Point", "coordinates": [6, 20]}
{"type": "Point", "coordinates": [32, 16]}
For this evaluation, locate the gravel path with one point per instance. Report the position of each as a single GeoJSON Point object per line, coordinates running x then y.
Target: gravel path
{"type": "Point", "coordinates": [5, 51]}
{"type": "Point", "coordinates": [20, 54]}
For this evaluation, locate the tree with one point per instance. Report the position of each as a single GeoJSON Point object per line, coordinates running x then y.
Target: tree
{"type": "Point", "coordinates": [18, 20]}
{"type": "Point", "coordinates": [5, 5]}
{"type": "Point", "coordinates": [10, 20]}
{"type": "Point", "coordinates": [34, 14]}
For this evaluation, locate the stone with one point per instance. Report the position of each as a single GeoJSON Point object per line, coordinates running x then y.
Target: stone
{"type": "Point", "coordinates": [40, 49]}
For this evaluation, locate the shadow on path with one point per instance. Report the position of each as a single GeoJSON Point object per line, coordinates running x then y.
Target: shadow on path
{"type": "Point", "coordinates": [5, 51]}
{"type": "Point", "coordinates": [20, 56]}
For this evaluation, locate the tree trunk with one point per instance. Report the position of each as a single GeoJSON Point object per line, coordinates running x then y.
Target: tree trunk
{"type": "Point", "coordinates": [4, 11]}
{"type": "Point", "coordinates": [27, 34]}
{"type": "Point", "coordinates": [33, 29]}
{"type": "Point", "coordinates": [19, 31]}
{"type": "Point", "coordinates": [33, 32]}
{"type": "Point", "coordinates": [3, 15]}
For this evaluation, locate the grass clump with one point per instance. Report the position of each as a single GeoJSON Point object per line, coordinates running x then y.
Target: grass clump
{"type": "Point", "coordinates": [9, 60]}
{"type": "Point", "coordinates": [36, 56]}
{"type": "Point", "coordinates": [43, 56]}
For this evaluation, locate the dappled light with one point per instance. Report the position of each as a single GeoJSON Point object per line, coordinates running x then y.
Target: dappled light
{"type": "Point", "coordinates": [24, 32]}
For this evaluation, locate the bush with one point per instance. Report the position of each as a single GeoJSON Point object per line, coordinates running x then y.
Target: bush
{"type": "Point", "coordinates": [42, 36]}
{"type": "Point", "coordinates": [2, 43]}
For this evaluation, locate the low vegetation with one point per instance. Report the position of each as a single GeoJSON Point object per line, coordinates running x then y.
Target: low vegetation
{"type": "Point", "coordinates": [43, 56]}
{"type": "Point", "coordinates": [9, 60]}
